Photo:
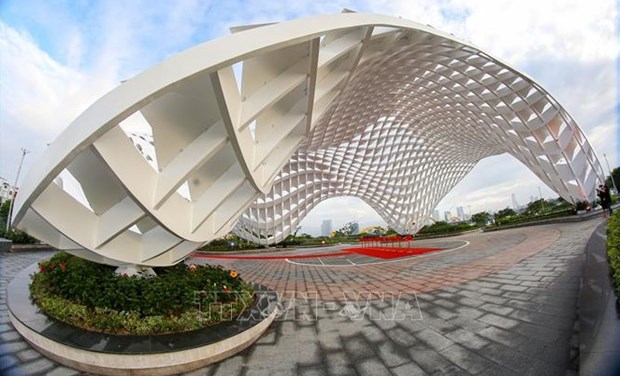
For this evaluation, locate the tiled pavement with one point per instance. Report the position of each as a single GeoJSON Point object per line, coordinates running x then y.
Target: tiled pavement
{"type": "Point", "coordinates": [503, 305]}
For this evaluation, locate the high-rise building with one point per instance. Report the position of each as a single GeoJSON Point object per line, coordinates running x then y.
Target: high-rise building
{"type": "Point", "coordinates": [436, 215]}
{"type": "Point", "coordinates": [326, 227]}
{"type": "Point", "coordinates": [460, 213]}
{"type": "Point", "coordinates": [447, 216]}
{"type": "Point", "coordinates": [355, 228]}
{"type": "Point", "coordinates": [6, 193]}
{"type": "Point", "coordinates": [515, 204]}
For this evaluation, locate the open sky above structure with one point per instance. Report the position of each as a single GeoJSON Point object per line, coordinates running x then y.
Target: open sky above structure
{"type": "Point", "coordinates": [58, 57]}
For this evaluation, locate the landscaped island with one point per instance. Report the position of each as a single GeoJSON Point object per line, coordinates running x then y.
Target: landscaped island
{"type": "Point", "coordinates": [179, 298]}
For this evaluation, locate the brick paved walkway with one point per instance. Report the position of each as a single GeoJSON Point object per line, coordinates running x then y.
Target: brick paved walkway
{"type": "Point", "coordinates": [505, 304]}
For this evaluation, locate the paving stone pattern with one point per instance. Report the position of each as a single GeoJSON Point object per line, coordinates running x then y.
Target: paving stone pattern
{"type": "Point", "coordinates": [506, 304]}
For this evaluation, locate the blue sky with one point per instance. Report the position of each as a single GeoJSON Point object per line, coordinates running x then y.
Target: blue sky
{"type": "Point", "coordinates": [57, 57]}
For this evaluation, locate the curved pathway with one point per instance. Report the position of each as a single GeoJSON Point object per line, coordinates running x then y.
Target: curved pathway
{"type": "Point", "coordinates": [499, 303]}
{"type": "Point", "coordinates": [470, 257]}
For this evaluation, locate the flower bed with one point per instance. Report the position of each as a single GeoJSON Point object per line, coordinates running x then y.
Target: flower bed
{"type": "Point", "coordinates": [178, 299]}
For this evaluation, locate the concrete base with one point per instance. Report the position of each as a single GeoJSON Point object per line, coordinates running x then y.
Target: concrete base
{"type": "Point", "coordinates": [170, 363]}
{"type": "Point", "coordinates": [132, 269]}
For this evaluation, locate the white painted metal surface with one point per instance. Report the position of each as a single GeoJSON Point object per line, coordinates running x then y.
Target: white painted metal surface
{"type": "Point", "coordinates": [381, 108]}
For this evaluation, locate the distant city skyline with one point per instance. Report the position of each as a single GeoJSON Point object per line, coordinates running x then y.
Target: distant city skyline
{"type": "Point", "coordinates": [308, 225]}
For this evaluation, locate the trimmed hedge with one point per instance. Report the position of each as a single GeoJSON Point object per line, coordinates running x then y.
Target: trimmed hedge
{"type": "Point", "coordinates": [180, 298]}
{"type": "Point", "coordinates": [17, 236]}
{"type": "Point", "coordinates": [613, 249]}
{"type": "Point", "coordinates": [445, 228]}
{"type": "Point", "coordinates": [525, 218]}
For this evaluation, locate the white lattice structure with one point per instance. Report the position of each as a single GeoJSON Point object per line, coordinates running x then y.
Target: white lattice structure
{"type": "Point", "coordinates": [381, 108]}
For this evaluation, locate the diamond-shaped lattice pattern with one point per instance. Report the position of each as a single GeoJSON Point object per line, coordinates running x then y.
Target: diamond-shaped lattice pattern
{"type": "Point", "coordinates": [253, 130]}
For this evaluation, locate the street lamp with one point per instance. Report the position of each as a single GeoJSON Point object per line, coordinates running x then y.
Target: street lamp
{"type": "Point", "coordinates": [19, 169]}
{"type": "Point", "coordinates": [542, 202]}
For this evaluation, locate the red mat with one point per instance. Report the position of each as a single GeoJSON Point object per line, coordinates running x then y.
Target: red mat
{"type": "Point", "coordinates": [390, 253]}
{"type": "Point", "coordinates": [270, 257]}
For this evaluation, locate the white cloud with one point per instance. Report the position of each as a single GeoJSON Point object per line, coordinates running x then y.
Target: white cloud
{"type": "Point", "coordinates": [490, 187]}
{"type": "Point", "coordinates": [39, 97]}
{"type": "Point", "coordinates": [42, 91]}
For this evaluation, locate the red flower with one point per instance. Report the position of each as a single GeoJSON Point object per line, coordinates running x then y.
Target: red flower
{"type": "Point", "coordinates": [63, 267]}
{"type": "Point", "coordinates": [41, 268]}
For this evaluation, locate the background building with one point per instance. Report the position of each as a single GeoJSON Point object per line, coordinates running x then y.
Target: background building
{"type": "Point", "coordinates": [5, 191]}
{"type": "Point", "coordinates": [460, 213]}
{"type": "Point", "coordinates": [326, 227]}
{"type": "Point", "coordinates": [515, 204]}
{"type": "Point", "coordinates": [355, 228]}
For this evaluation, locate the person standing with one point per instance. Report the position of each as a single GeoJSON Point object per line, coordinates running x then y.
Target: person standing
{"type": "Point", "coordinates": [603, 194]}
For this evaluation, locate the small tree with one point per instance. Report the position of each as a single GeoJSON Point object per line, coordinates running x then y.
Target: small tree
{"type": "Point", "coordinates": [349, 229]}
{"type": "Point", "coordinates": [616, 175]}
{"type": "Point", "coordinates": [4, 211]}
{"type": "Point", "coordinates": [481, 218]}
{"type": "Point", "coordinates": [561, 204]}
{"type": "Point", "coordinates": [337, 234]}
{"type": "Point", "coordinates": [373, 230]}
{"type": "Point", "coordinates": [508, 212]}
{"type": "Point", "coordinates": [391, 232]}
{"type": "Point", "coordinates": [535, 207]}
{"type": "Point", "coordinates": [17, 236]}
{"type": "Point", "coordinates": [582, 205]}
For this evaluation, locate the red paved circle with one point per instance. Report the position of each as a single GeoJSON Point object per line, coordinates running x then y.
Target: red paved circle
{"type": "Point", "coordinates": [391, 252]}
{"type": "Point", "coordinates": [376, 252]}
{"type": "Point", "coordinates": [269, 257]}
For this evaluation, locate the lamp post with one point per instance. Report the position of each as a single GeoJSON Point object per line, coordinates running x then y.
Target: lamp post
{"type": "Point", "coordinates": [611, 175]}
{"type": "Point", "coordinates": [542, 203]}
{"type": "Point", "coordinates": [19, 169]}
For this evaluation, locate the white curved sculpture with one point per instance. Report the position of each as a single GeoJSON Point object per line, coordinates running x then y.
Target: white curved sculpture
{"type": "Point", "coordinates": [381, 108]}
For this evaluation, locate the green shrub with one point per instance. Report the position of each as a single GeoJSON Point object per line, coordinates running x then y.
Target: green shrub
{"type": "Point", "coordinates": [224, 245]}
{"type": "Point", "coordinates": [179, 298]}
{"type": "Point", "coordinates": [445, 228]}
{"type": "Point", "coordinates": [582, 205]}
{"type": "Point", "coordinates": [523, 218]}
{"type": "Point", "coordinates": [17, 236]}
{"type": "Point", "coordinates": [613, 249]}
